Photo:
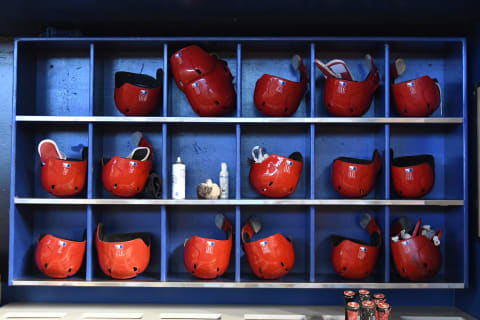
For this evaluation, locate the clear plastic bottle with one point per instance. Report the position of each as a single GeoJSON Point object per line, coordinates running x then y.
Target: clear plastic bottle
{"type": "Point", "coordinates": [224, 181]}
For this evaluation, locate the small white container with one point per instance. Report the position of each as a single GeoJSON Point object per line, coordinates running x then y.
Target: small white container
{"type": "Point", "coordinates": [224, 181]}
{"type": "Point", "coordinates": [178, 179]}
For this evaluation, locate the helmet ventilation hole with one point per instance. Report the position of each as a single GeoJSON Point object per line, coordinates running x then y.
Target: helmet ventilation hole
{"type": "Point", "coordinates": [291, 189]}
{"type": "Point", "coordinates": [329, 105]}
{"type": "Point", "coordinates": [218, 269]}
{"type": "Point", "coordinates": [339, 187]}
{"type": "Point", "coordinates": [425, 265]}
{"type": "Point", "coordinates": [260, 270]}
{"type": "Point", "coordinates": [344, 268]}
{"type": "Point", "coordinates": [138, 189]}
{"type": "Point", "coordinates": [403, 270]}
{"type": "Point", "coordinates": [194, 266]}
{"type": "Point", "coordinates": [282, 264]}
{"type": "Point", "coordinates": [45, 265]}
{"type": "Point", "coordinates": [76, 188]}
{"type": "Point", "coordinates": [286, 109]}
{"type": "Point", "coordinates": [428, 105]}
{"type": "Point", "coordinates": [127, 110]}
{"type": "Point", "coordinates": [405, 111]}
{"type": "Point", "coordinates": [53, 186]}
{"type": "Point", "coordinates": [134, 268]}
{"type": "Point", "coordinates": [109, 270]}
{"type": "Point", "coordinates": [198, 71]}
{"type": "Point", "coordinates": [351, 109]}
{"type": "Point", "coordinates": [69, 270]}
{"type": "Point", "coordinates": [216, 102]}
{"type": "Point", "coordinates": [271, 182]}
{"type": "Point", "coordinates": [193, 271]}
{"type": "Point", "coordinates": [286, 269]}
{"type": "Point", "coordinates": [423, 190]}
{"type": "Point", "coordinates": [263, 104]}
{"type": "Point", "coordinates": [115, 186]}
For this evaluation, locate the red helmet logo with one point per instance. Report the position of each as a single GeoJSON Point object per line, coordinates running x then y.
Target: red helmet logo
{"type": "Point", "coordinates": [417, 258]}
{"type": "Point", "coordinates": [205, 79]}
{"type": "Point", "coordinates": [355, 178]}
{"type": "Point", "coordinates": [137, 94]}
{"type": "Point", "coordinates": [355, 259]}
{"type": "Point", "coordinates": [59, 258]}
{"type": "Point", "coordinates": [413, 176]}
{"type": "Point", "coordinates": [278, 97]}
{"type": "Point", "coordinates": [61, 176]}
{"type": "Point", "coordinates": [122, 256]}
{"type": "Point", "coordinates": [344, 97]}
{"type": "Point", "coordinates": [269, 258]}
{"type": "Point", "coordinates": [209, 258]}
{"type": "Point", "coordinates": [126, 177]}
{"type": "Point", "coordinates": [419, 97]}
{"type": "Point", "coordinates": [275, 176]}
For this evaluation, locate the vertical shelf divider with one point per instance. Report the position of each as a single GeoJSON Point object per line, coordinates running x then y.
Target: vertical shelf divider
{"type": "Point", "coordinates": [163, 213]}
{"type": "Point", "coordinates": [386, 227]}
{"type": "Point", "coordinates": [238, 132]}
{"type": "Point", "coordinates": [312, 162]}
{"type": "Point", "coordinates": [11, 235]}
{"type": "Point", "coordinates": [465, 164]}
{"type": "Point", "coordinates": [90, 168]}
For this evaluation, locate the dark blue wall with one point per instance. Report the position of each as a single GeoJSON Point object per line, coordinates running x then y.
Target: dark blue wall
{"type": "Point", "coordinates": [468, 299]}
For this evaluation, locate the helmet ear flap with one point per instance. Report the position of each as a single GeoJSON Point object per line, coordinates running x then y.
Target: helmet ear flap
{"type": "Point", "coordinates": [256, 224]}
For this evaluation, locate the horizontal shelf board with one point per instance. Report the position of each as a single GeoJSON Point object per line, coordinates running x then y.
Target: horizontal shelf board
{"type": "Point", "coordinates": [234, 39]}
{"type": "Point", "coordinates": [235, 120]}
{"type": "Point", "coordinates": [239, 202]}
{"type": "Point", "coordinates": [215, 284]}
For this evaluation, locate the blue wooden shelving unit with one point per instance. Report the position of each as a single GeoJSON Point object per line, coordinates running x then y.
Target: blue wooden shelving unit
{"type": "Point", "coordinates": [63, 89]}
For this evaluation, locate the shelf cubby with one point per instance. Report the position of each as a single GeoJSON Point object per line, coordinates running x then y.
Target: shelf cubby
{"type": "Point", "coordinates": [353, 54]}
{"type": "Point", "coordinates": [185, 222]}
{"type": "Point", "coordinates": [289, 221]}
{"type": "Point", "coordinates": [444, 143]}
{"type": "Point", "coordinates": [344, 221]}
{"type": "Point", "coordinates": [355, 141]}
{"type": "Point", "coordinates": [54, 79]}
{"type": "Point", "coordinates": [202, 148]}
{"type": "Point", "coordinates": [439, 60]}
{"type": "Point", "coordinates": [112, 140]}
{"type": "Point", "coordinates": [273, 59]}
{"type": "Point", "coordinates": [128, 219]}
{"type": "Point", "coordinates": [282, 140]}
{"type": "Point", "coordinates": [452, 246]}
{"type": "Point", "coordinates": [70, 140]}
{"type": "Point", "coordinates": [66, 222]}
{"type": "Point", "coordinates": [109, 58]}
{"type": "Point", "coordinates": [178, 105]}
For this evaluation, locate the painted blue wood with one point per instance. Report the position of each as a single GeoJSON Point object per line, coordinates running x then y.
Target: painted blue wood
{"type": "Point", "coordinates": [238, 243]}
{"type": "Point", "coordinates": [90, 244]}
{"type": "Point", "coordinates": [163, 248]}
{"type": "Point", "coordinates": [203, 147]}
{"type": "Point", "coordinates": [465, 171]}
